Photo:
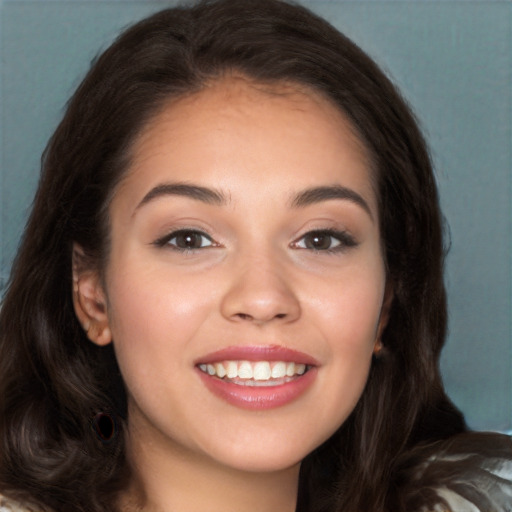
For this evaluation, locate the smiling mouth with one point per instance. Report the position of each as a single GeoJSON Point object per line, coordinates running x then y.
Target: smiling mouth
{"type": "Point", "coordinates": [255, 373]}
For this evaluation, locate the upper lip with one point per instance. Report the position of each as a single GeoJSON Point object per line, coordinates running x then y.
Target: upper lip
{"type": "Point", "coordinates": [258, 353]}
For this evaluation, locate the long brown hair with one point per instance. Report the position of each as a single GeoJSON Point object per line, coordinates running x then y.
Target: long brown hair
{"type": "Point", "coordinates": [53, 380]}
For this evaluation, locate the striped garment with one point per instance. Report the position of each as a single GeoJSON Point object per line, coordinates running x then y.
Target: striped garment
{"type": "Point", "coordinates": [470, 472]}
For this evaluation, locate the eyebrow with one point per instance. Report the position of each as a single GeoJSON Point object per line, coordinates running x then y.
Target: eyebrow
{"type": "Point", "coordinates": [202, 194]}
{"type": "Point", "coordinates": [319, 194]}
{"type": "Point", "coordinates": [210, 196]}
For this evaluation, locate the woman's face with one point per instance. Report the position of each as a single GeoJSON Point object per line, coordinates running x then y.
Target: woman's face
{"type": "Point", "coordinates": [245, 283]}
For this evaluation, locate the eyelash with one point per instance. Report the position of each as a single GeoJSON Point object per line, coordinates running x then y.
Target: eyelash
{"type": "Point", "coordinates": [166, 240]}
{"type": "Point", "coordinates": [344, 240]}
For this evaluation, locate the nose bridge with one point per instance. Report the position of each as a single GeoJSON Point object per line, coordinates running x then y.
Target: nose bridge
{"type": "Point", "coordinates": [259, 289]}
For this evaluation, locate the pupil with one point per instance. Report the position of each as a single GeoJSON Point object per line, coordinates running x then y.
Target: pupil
{"type": "Point", "coordinates": [319, 242]}
{"type": "Point", "coordinates": [188, 241]}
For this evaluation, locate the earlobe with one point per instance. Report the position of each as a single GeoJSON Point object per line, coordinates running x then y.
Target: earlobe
{"type": "Point", "coordinates": [89, 300]}
{"type": "Point", "coordinates": [384, 317]}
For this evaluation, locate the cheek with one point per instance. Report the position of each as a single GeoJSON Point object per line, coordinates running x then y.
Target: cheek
{"type": "Point", "coordinates": [145, 298]}
{"type": "Point", "coordinates": [153, 318]}
{"type": "Point", "coordinates": [351, 320]}
{"type": "Point", "coordinates": [348, 317]}
{"type": "Point", "coordinates": [351, 326]}
{"type": "Point", "coordinates": [348, 309]}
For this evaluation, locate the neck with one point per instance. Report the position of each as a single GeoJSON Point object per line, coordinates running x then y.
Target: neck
{"type": "Point", "coordinates": [177, 481]}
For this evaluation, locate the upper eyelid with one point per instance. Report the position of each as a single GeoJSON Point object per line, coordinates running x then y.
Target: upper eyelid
{"type": "Point", "coordinates": [337, 235]}
{"type": "Point", "coordinates": [345, 238]}
{"type": "Point", "coordinates": [165, 239]}
{"type": "Point", "coordinates": [343, 235]}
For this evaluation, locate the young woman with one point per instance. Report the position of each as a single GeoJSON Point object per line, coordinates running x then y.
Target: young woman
{"type": "Point", "coordinates": [229, 294]}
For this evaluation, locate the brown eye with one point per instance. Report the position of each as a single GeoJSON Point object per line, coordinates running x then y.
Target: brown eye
{"type": "Point", "coordinates": [189, 240]}
{"type": "Point", "coordinates": [320, 241]}
{"type": "Point", "coordinates": [326, 240]}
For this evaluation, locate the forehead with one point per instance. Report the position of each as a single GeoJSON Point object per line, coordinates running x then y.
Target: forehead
{"type": "Point", "coordinates": [236, 126]}
{"type": "Point", "coordinates": [237, 95]}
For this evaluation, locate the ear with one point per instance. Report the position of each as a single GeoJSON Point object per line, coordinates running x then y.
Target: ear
{"type": "Point", "coordinates": [384, 316]}
{"type": "Point", "coordinates": [89, 300]}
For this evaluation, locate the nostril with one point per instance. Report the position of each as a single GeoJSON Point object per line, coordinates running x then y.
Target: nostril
{"type": "Point", "coordinates": [245, 316]}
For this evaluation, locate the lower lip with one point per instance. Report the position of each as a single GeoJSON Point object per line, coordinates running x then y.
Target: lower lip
{"type": "Point", "coordinates": [258, 398]}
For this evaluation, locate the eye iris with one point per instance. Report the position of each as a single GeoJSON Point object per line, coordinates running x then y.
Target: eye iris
{"type": "Point", "coordinates": [188, 240]}
{"type": "Point", "coordinates": [318, 241]}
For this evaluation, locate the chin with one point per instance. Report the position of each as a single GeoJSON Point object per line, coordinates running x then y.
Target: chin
{"type": "Point", "coordinates": [266, 455]}
{"type": "Point", "coordinates": [264, 462]}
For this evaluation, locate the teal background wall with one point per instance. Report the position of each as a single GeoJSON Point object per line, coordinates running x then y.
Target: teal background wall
{"type": "Point", "coordinates": [453, 61]}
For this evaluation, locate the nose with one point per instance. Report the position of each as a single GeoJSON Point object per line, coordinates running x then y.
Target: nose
{"type": "Point", "coordinates": [259, 293]}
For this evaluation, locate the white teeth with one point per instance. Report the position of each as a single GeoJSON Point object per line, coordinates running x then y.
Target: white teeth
{"type": "Point", "coordinates": [232, 370]}
{"type": "Point", "coordinates": [262, 371]}
{"type": "Point", "coordinates": [245, 370]}
{"type": "Point", "coordinates": [279, 370]}
{"type": "Point", "coordinates": [220, 370]}
{"type": "Point", "coordinates": [251, 372]}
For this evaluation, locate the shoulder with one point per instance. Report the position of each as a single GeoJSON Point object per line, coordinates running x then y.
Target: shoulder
{"type": "Point", "coordinates": [8, 505]}
{"type": "Point", "coordinates": [470, 472]}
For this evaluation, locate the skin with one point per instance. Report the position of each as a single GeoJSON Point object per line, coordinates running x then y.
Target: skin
{"type": "Point", "coordinates": [256, 282]}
